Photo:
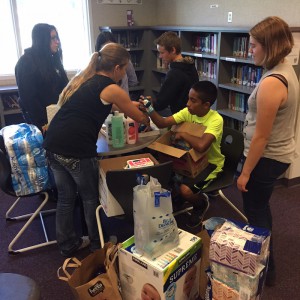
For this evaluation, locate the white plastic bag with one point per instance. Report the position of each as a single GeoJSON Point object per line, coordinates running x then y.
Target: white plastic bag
{"type": "Point", "coordinates": [155, 228]}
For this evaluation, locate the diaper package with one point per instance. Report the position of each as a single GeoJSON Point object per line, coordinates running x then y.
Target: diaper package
{"type": "Point", "coordinates": [155, 228]}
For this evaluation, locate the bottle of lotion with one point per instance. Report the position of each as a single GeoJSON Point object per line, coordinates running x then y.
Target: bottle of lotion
{"type": "Point", "coordinates": [131, 131]}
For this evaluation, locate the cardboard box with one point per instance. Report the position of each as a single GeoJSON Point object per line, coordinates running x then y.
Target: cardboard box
{"type": "Point", "coordinates": [247, 287]}
{"type": "Point", "coordinates": [243, 249]}
{"type": "Point", "coordinates": [172, 275]}
{"type": "Point", "coordinates": [110, 205]}
{"type": "Point", "coordinates": [188, 163]}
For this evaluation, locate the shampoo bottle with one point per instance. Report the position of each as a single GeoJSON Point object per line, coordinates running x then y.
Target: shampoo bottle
{"type": "Point", "coordinates": [117, 130]}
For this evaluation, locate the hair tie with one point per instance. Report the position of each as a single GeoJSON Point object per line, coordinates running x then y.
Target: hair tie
{"type": "Point", "coordinates": [99, 53]}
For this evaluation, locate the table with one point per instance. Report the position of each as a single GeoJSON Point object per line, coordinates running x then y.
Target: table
{"type": "Point", "coordinates": [103, 149]}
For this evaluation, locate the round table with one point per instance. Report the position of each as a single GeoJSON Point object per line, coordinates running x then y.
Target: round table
{"type": "Point", "coordinates": [103, 149]}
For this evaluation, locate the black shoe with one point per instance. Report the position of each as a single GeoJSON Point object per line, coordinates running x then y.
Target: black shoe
{"type": "Point", "coordinates": [85, 242]}
{"type": "Point", "coordinates": [198, 213]}
{"type": "Point", "coordinates": [202, 206]}
{"type": "Point", "coordinates": [194, 220]}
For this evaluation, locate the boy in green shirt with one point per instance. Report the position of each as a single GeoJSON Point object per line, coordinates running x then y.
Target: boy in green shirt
{"type": "Point", "coordinates": [202, 96]}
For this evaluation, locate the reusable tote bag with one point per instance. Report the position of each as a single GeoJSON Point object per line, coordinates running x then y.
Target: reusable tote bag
{"type": "Point", "coordinates": [95, 276]}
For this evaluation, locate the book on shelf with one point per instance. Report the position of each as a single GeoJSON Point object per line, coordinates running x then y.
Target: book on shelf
{"type": "Point", "coordinates": [206, 68]}
{"type": "Point", "coordinates": [241, 47]}
{"type": "Point", "coordinates": [245, 75]}
{"type": "Point", "coordinates": [238, 101]}
{"type": "Point", "coordinates": [206, 43]}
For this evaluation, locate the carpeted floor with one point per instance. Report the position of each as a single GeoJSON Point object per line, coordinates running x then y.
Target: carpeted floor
{"type": "Point", "coordinates": [42, 264]}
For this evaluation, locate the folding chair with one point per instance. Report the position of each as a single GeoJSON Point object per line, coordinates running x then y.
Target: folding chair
{"type": "Point", "coordinates": [121, 183]}
{"type": "Point", "coordinates": [6, 186]}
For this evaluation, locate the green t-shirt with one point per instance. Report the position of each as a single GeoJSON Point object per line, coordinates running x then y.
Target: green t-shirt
{"type": "Point", "coordinates": [214, 125]}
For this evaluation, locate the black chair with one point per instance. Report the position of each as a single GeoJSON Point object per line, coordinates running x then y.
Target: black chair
{"type": "Point", "coordinates": [121, 183]}
{"type": "Point", "coordinates": [232, 147]}
{"type": "Point", "coordinates": [6, 187]}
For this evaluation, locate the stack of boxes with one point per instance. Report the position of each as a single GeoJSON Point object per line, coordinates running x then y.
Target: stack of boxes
{"type": "Point", "coordinates": [173, 275]}
{"type": "Point", "coordinates": [238, 258]}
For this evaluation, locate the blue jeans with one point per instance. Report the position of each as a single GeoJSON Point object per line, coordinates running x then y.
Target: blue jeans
{"type": "Point", "coordinates": [74, 176]}
{"type": "Point", "coordinates": [260, 187]}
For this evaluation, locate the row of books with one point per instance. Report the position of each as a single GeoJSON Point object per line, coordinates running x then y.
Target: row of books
{"type": "Point", "coordinates": [246, 75]}
{"type": "Point", "coordinates": [206, 68]}
{"type": "Point", "coordinates": [128, 39]}
{"type": "Point", "coordinates": [207, 43]}
{"type": "Point", "coordinates": [232, 123]}
{"type": "Point", "coordinates": [241, 47]}
{"type": "Point", "coordinates": [238, 101]}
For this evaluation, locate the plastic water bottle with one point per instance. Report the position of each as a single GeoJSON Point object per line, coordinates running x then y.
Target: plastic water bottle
{"type": "Point", "coordinates": [117, 130]}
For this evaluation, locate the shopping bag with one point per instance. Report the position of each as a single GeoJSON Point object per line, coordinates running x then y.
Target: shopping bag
{"type": "Point", "coordinates": [155, 228]}
{"type": "Point", "coordinates": [94, 277]}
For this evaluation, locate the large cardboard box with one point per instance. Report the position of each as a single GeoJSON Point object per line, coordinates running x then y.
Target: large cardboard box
{"type": "Point", "coordinates": [173, 275]}
{"type": "Point", "coordinates": [110, 205]}
{"type": "Point", "coordinates": [245, 286]}
{"type": "Point", "coordinates": [188, 163]}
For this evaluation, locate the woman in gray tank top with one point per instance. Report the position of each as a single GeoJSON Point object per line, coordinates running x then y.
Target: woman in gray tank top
{"type": "Point", "coordinates": [269, 127]}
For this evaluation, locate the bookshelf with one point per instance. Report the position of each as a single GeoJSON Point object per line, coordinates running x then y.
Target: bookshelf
{"type": "Point", "coordinates": [135, 40]}
{"type": "Point", "coordinates": [10, 112]}
{"type": "Point", "coordinates": [221, 55]}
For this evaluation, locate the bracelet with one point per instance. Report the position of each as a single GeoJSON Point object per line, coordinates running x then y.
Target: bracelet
{"type": "Point", "coordinates": [150, 109]}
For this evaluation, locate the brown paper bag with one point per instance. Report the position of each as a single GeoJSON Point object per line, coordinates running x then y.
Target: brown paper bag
{"type": "Point", "coordinates": [86, 282]}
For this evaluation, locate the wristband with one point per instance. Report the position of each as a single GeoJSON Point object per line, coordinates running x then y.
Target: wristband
{"type": "Point", "coordinates": [149, 107]}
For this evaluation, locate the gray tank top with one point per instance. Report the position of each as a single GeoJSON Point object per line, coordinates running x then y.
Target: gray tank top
{"type": "Point", "coordinates": [281, 143]}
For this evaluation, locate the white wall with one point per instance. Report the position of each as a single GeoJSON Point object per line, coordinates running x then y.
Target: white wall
{"type": "Point", "coordinates": [245, 13]}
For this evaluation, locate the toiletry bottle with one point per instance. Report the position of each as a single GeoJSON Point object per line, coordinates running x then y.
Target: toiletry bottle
{"type": "Point", "coordinates": [117, 130]}
{"type": "Point", "coordinates": [131, 131]}
{"type": "Point", "coordinates": [108, 125]}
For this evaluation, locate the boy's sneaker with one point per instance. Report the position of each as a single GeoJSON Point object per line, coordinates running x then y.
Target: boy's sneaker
{"type": "Point", "coordinates": [85, 242]}
{"type": "Point", "coordinates": [198, 213]}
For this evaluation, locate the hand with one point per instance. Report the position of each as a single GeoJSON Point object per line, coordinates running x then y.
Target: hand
{"type": "Point", "coordinates": [242, 182]}
{"type": "Point", "coordinates": [44, 128]}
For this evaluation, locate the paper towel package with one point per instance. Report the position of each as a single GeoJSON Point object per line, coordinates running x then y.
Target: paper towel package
{"type": "Point", "coordinates": [243, 249]}
{"type": "Point", "coordinates": [173, 275]}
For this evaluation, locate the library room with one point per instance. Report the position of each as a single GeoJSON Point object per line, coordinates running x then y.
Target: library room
{"type": "Point", "coordinates": [192, 104]}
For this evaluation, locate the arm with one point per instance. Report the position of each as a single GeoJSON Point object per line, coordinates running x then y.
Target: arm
{"type": "Point", "coordinates": [200, 144]}
{"type": "Point", "coordinates": [157, 119]}
{"type": "Point", "coordinates": [116, 95]}
{"type": "Point", "coordinates": [268, 104]}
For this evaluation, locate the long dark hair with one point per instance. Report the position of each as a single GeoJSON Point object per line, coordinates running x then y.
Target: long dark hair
{"type": "Point", "coordinates": [48, 63]}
